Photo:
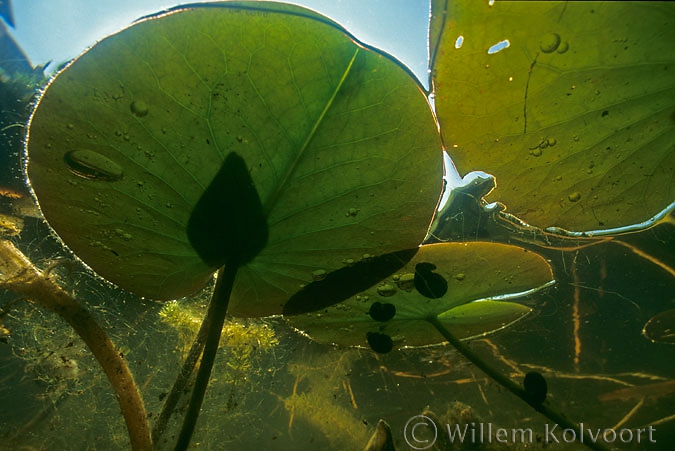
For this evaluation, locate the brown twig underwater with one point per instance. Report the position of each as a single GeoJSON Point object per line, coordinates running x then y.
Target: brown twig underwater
{"type": "Point", "coordinates": [18, 274]}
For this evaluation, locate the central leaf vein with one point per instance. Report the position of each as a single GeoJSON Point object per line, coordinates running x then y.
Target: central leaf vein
{"type": "Point", "coordinates": [271, 201]}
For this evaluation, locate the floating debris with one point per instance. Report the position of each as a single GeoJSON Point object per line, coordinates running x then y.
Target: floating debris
{"type": "Point", "coordinates": [10, 225]}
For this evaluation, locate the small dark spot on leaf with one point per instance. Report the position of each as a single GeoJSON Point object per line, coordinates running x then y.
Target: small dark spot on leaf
{"type": "Point", "coordinates": [535, 387]}
{"type": "Point", "coordinates": [381, 343]}
{"type": "Point", "coordinates": [430, 284]}
{"type": "Point", "coordinates": [382, 312]}
{"type": "Point", "coordinates": [605, 113]}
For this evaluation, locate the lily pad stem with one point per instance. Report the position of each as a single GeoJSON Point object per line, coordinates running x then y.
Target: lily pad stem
{"type": "Point", "coordinates": [215, 317]}
{"type": "Point", "coordinates": [514, 388]}
{"type": "Point", "coordinates": [180, 383]}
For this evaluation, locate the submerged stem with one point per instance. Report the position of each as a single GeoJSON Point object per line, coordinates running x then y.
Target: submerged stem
{"type": "Point", "coordinates": [514, 388]}
{"type": "Point", "coordinates": [181, 382]}
{"type": "Point", "coordinates": [21, 276]}
{"type": "Point", "coordinates": [215, 317]}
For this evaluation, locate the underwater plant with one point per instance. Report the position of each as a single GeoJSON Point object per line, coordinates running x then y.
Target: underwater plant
{"type": "Point", "coordinates": [264, 143]}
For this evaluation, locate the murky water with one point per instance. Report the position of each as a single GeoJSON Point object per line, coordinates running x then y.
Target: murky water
{"type": "Point", "coordinates": [601, 337]}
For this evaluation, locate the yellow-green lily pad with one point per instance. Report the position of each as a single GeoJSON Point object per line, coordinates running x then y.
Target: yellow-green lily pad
{"type": "Point", "coordinates": [570, 105]}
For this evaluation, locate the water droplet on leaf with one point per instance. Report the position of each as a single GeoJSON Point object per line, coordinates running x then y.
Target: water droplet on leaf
{"type": "Point", "coordinates": [550, 42]}
{"type": "Point", "coordinates": [574, 197]}
{"type": "Point", "coordinates": [564, 46]}
{"type": "Point", "coordinates": [139, 108]}
{"type": "Point", "coordinates": [92, 165]}
{"type": "Point", "coordinates": [406, 281]}
{"type": "Point", "coordinates": [318, 275]}
{"type": "Point", "coordinates": [386, 290]}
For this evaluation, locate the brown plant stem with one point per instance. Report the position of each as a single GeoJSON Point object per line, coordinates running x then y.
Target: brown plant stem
{"type": "Point", "coordinates": [514, 388]}
{"type": "Point", "coordinates": [19, 275]}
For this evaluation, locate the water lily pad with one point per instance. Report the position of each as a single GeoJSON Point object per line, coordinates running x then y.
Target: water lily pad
{"type": "Point", "coordinates": [136, 150]}
{"type": "Point", "coordinates": [575, 117]}
{"type": "Point", "coordinates": [462, 284]}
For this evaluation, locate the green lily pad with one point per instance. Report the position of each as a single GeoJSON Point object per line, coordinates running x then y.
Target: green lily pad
{"type": "Point", "coordinates": [137, 149]}
{"type": "Point", "coordinates": [574, 113]}
{"type": "Point", "coordinates": [462, 284]}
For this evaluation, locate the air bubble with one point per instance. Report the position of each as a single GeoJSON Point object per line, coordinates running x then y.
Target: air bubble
{"type": "Point", "coordinates": [386, 290]}
{"type": "Point", "coordinates": [318, 275]}
{"type": "Point", "coordinates": [139, 108]}
{"type": "Point", "coordinates": [92, 165]}
{"type": "Point", "coordinates": [563, 47]}
{"type": "Point", "coordinates": [406, 281]}
{"type": "Point", "coordinates": [550, 42]}
{"type": "Point", "coordinates": [124, 235]}
{"type": "Point", "coordinates": [574, 197]}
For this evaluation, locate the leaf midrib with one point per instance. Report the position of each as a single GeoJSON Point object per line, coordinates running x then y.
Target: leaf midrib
{"type": "Point", "coordinates": [269, 204]}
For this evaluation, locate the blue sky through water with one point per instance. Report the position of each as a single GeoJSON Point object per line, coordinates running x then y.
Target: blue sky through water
{"type": "Point", "coordinates": [59, 30]}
